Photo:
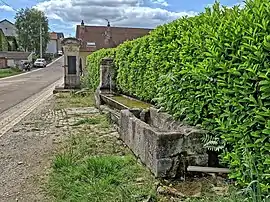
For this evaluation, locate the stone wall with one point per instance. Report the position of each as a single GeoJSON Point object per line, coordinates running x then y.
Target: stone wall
{"type": "Point", "coordinates": [165, 146]}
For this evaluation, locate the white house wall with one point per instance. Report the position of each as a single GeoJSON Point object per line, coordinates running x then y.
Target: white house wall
{"type": "Point", "coordinates": [52, 47]}
{"type": "Point", "coordinates": [11, 63]}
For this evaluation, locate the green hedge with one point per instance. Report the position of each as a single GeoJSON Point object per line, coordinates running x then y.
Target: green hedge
{"type": "Point", "coordinates": [211, 70]}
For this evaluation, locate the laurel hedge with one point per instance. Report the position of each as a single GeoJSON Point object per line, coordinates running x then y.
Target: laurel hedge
{"type": "Point", "coordinates": [211, 70]}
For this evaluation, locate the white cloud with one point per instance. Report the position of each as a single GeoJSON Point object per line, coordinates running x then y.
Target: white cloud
{"type": "Point", "coordinates": [160, 2]}
{"type": "Point", "coordinates": [6, 8]}
{"type": "Point", "coordinates": [131, 13]}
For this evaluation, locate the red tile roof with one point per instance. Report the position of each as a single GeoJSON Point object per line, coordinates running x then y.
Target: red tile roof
{"type": "Point", "coordinates": [53, 36]}
{"type": "Point", "coordinates": [96, 34]}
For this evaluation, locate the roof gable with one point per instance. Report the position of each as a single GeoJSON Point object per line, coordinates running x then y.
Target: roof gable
{"type": "Point", "coordinates": [8, 28]}
{"type": "Point", "coordinates": [5, 20]}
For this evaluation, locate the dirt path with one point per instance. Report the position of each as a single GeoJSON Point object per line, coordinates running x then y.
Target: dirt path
{"type": "Point", "coordinates": [25, 153]}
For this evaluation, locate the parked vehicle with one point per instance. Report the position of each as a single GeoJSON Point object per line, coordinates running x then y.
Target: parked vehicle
{"type": "Point", "coordinates": [40, 63]}
{"type": "Point", "coordinates": [60, 53]}
{"type": "Point", "coordinates": [26, 65]}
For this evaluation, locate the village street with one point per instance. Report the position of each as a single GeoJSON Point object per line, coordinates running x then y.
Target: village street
{"type": "Point", "coordinates": [14, 90]}
{"type": "Point", "coordinates": [23, 99]}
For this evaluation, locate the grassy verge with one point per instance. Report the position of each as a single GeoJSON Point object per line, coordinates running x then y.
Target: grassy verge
{"type": "Point", "coordinates": [95, 166]}
{"type": "Point", "coordinates": [69, 100]}
{"type": "Point", "coordinates": [9, 72]}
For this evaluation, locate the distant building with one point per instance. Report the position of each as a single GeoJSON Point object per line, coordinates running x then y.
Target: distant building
{"type": "Point", "coordinates": [14, 58]}
{"type": "Point", "coordinates": [54, 44]}
{"type": "Point", "coordinates": [8, 28]}
{"type": "Point", "coordinates": [10, 32]}
{"type": "Point", "coordinates": [9, 56]}
{"type": "Point", "coordinates": [97, 37]}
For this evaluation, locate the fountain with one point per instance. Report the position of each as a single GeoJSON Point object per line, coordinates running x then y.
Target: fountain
{"type": "Point", "coordinates": [167, 147]}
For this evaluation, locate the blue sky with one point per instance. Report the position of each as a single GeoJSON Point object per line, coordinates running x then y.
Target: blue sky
{"type": "Point", "coordinates": [65, 14]}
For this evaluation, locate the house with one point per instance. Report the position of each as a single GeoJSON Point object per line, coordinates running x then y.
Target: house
{"type": "Point", "coordinates": [10, 32]}
{"type": "Point", "coordinates": [97, 37]}
{"type": "Point", "coordinates": [14, 58]}
{"type": "Point", "coordinates": [54, 44]}
{"type": "Point", "coordinates": [8, 28]}
{"type": "Point", "coordinates": [3, 41]}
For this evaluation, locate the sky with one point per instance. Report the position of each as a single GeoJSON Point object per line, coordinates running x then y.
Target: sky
{"type": "Point", "coordinates": [64, 15]}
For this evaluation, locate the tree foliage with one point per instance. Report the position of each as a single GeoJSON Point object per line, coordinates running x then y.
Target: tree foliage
{"type": "Point", "coordinates": [213, 71]}
{"type": "Point", "coordinates": [3, 42]}
{"type": "Point", "coordinates": [28, 23]}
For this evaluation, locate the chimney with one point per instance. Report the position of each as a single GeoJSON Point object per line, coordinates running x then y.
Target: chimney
{"type": "Point", "coordinates": [81, 31]}
{"type": "Point", "coordinates": [108, 35]}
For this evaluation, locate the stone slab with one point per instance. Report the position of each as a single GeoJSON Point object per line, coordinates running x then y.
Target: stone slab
{"type": "Point", "coordinates": [82, 110]}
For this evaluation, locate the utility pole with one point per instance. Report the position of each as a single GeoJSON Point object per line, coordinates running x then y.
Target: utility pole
{"type": "Point", "coordinates": [40, 36]}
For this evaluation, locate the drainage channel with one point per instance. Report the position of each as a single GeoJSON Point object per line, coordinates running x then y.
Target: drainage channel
{"type": "Point", "coordinates": [9, 118]}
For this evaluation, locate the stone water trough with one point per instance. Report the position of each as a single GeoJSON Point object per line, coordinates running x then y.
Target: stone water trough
{"type": "Point", "coordinates": [165, 146]}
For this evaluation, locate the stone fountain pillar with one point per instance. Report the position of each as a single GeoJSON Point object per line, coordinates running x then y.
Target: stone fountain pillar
{"type": "Point", "coordinates": [71, 47]}
{"type": "Point", "coordinates": [107, 84]}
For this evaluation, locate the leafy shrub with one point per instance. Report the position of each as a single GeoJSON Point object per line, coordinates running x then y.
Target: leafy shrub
{"type": "Point", "coordinates": [211, 70]}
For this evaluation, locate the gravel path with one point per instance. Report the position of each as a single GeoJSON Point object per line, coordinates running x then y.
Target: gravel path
{"type": "Point", "coordinates": [26, 151]}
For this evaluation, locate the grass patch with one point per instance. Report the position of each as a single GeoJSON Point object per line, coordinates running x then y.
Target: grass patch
{"type": "Point", "coordinates": [92, 120]}
{"type": "Point", "coordinates": [104, 178]}
{"type": "Point", "coordinates": [9, 72]}
{"type": "Point", "coordinates": [70, 100]}
{"type": "Point", "coordinates": [94, 165]}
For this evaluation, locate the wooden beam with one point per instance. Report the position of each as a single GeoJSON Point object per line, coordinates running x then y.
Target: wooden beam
{"type": "Point", "coordinates": [207, 169]}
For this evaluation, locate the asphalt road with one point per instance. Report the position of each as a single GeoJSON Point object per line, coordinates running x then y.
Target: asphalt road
{"type": "Point", "coordinates": [16, 89]}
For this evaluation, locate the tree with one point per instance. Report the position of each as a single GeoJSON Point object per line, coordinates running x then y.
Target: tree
{"type": "Point", "coordinates": [28, 23]}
